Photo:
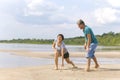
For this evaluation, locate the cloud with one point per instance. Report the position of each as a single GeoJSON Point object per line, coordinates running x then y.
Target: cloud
{"type": "Point", "coordinates": [44, 12]}
{"type": "Point", "coordinates": [35, 12]}
{"type": "Point", "coordinates": [106, 15]}
{"type": "Point", "coordinates": [47, 18]}
{"type": "Point", "coordinates": [42, 7]}
{"type": "Point", "coordinates": [114, 3]}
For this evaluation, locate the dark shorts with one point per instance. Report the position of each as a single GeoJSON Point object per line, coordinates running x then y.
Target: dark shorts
{"type": "Point", "coordinates": [66, 55]}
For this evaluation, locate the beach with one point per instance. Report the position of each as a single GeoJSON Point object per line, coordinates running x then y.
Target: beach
{"type": "Point", "coordinates": [47, 72]}
{"type": "Point", "coordinates": [105, 72]}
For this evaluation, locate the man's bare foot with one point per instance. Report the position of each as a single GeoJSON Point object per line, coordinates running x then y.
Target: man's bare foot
{"type": "Point", "coordinates": [87, 69]}
{"type": "Point", "coordinates": [97, 66]}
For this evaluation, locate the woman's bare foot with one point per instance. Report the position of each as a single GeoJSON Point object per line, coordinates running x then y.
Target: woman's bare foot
{"type": "Point", "coordinates": [56, 68]}
{"type": "Point", "coordinates": [74, 67]}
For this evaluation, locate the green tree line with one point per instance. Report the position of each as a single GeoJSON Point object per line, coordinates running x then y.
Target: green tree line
{"type": "Point", "coordinates": [106, 39]}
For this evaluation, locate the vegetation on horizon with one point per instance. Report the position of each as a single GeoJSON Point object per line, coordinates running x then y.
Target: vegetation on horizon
{"type": "Point", "coordinates": [106, 39]}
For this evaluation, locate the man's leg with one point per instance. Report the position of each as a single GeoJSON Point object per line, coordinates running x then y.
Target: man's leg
{"type": "Point", "coordinates": [94, 58]}
{"type": "Point", "coordinates": [96, 63]}
{"type": "Point", "coordinates": [88, 65]}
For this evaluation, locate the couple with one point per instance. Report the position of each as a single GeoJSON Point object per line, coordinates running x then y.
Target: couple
{"type": "Point", "coordinates": [90, 46]}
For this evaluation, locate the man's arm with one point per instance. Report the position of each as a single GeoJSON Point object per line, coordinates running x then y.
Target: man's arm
{"type": "Point", "coordinates": [88, 42]}
{"type": "Point", "coordinates": [85, 45]}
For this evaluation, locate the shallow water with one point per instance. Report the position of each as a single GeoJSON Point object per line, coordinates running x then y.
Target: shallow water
{"type": "Point", "coordinates": [7, 60]}
{"type": "Point", "coordinates": [48, 48]}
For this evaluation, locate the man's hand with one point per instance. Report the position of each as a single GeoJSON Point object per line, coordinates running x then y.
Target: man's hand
{"type": "Point", "coordinates": [84, 46]}
{"type": "Point", "coordinates": [87, 49]}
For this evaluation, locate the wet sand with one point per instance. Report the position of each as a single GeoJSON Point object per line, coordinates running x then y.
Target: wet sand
{"type": "Point", "coordinates": [108, 54]}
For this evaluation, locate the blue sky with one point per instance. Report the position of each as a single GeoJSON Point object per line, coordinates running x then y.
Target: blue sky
{"type": "Point", "coordinates": [44, 19]}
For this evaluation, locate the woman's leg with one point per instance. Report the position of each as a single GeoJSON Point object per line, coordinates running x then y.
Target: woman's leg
{"type": "Point", "coordinates": [69, 62]}
{"type": "Point", "coordinates": [56, 60]}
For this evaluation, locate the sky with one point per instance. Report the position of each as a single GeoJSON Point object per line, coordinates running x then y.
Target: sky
{"type": "Point", "coordinates": [44, 19]}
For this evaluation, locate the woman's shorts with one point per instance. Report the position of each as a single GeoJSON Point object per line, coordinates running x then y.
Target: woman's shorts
{"type": "Point", "coordinates": [66, 55]}
{"type": "Point", "coordinates": [91, 52]}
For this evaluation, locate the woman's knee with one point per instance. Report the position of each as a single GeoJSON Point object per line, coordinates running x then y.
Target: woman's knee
{"type": "Point", "coordinates": [68, 61]}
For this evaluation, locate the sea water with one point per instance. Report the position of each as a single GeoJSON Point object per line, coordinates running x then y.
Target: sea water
{"type": "Point", "coordinates": [10, 60]}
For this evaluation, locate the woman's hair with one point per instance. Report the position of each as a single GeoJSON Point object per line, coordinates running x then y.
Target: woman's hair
{"type": "Point", "coordinates": [61, 36]}
{"type": "Point", "coordinates": [79, 22]}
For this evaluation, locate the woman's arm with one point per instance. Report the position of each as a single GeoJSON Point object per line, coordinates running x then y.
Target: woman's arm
{"type": "Point", "coordinates": [53, 45]}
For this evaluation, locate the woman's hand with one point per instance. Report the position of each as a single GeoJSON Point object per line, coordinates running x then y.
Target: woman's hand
{"type": "Point", "coordinates": [62, 65]}
{"type": "Point", "coordinates": [55, 50]}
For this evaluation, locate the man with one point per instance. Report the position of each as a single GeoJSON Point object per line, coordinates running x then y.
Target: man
{"type": "Point", "coordinates": [90, 44]}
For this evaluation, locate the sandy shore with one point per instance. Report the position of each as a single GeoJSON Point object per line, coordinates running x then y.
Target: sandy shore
{"type": "Point", "coordinates": [113, 54]}
{"type": "Point", "coordinates": [105, 72]}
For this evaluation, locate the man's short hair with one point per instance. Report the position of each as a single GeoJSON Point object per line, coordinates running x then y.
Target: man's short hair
{"type": "Point", "coordinates": [79, 22]}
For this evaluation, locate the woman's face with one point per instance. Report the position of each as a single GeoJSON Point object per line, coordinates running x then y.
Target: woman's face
{"type": "Point", "coordinates": [59, 38]}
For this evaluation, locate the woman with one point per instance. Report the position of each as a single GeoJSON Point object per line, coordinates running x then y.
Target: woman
{"type": "Point", "coordinates": [60, 50]}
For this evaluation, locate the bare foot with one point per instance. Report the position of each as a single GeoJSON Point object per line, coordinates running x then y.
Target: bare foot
{"type": "Point", "coordinates": [97, 66]}
{"type": "Point", "coordinates": [87, 69]}
{"type": "Point", "coordinates": [74, 67]}
{"type": "Point", "coordinates": [56, 68]}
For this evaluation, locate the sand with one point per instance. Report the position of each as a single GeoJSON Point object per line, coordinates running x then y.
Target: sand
{"type": "Point", "coordinates": [105, 72]}
{"type": "Point", "coordinates": [110, 54]}
{"type": "Point", "coordinates": [47, 72]}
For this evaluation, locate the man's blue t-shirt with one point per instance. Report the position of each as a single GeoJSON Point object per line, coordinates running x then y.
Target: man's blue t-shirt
{"type": "Point", "coordinates": [88, 30]}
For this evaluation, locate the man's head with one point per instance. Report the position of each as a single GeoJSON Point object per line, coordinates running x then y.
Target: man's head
{"type": "Point", "coordinates": [81, 24]}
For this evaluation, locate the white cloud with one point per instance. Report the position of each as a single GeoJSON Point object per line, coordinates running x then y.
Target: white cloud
{"type": "Point", "coordinates": [32, 18]}
{"type": "Point", "coordinates": [106, 15]}
{"type": "Point", "coordinates": [44, 12]}
{"type": "Point", "coordinates": [42, 7]}
{"type": "Point", "coordinates": [114, 3]}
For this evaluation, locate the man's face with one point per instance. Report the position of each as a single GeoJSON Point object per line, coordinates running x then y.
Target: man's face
{"type": "Point", "coordinates": [81, 26]}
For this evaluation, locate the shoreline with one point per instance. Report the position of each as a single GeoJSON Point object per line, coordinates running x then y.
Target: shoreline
{"type": "Point", "coordinates": [107, 54]}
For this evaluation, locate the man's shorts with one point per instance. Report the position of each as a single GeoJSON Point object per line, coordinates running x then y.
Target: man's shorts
{"type": "Point", "coordinates": [91, 51]}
